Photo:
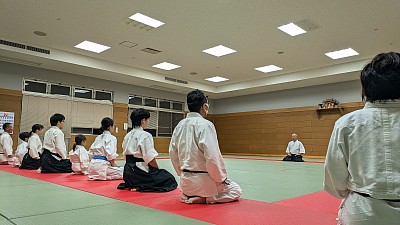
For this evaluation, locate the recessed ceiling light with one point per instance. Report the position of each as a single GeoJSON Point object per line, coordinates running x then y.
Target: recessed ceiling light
{"type": "Point", "coordinates": [341, 53]}
{"type": "Point", "coordinates": [40, 33]}
{"type": "Point", "coordinates": [219, 50]}
{"type": "Point", "coordinates": [166, 66]}
{"type": "Point", "coordinates": [268, 69]}
{"type": "Point", "coordinates": [91, 46]}
{"type": "Point", "coordinates": [292, 29]}
{"type": "Point", "coordinates": [146, 20]}
{"type": "Point", "coordinates": [217, 79]}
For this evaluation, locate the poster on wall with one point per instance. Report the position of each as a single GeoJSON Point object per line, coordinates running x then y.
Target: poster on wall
{"type": "Point", "coordinates": [6, 117]}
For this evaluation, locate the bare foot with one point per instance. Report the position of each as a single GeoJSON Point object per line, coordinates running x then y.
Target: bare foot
{"type": "Point", "coordinates": [196, 200]}
{"type": "Point", "coordinates": [133, 189]}
{"type": "Point", "coordinates": [184, 198]}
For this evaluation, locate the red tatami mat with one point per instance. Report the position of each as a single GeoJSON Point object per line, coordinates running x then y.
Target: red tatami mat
{"type": "Point", "coordinates": [242, 212]}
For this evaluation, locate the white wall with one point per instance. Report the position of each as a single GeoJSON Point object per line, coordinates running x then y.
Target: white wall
{"type": "Point", "coordinates": [11, 76]}
{"type": "Point", "coordinates": [349, 91]}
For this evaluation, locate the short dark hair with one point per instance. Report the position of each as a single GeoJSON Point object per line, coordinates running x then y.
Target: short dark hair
{"type": "Point", "coordinates": [5, 125]}
{"type": "Point", "coordinates": [78, 140]}
{"type": "Point", "coordinates": [106, 123]}
{"type": "Point", "coordinates": [24, 135]}
{"type": "Point", "coordinates": [36, 127]}
{"type": "Point", "coordinates": [380, 79]}
{"type": "Point", "coordinates": [195, 100]}
{"type": "Point", "coordinates": [54, 119]}
{"type": "Point", "coordinates": [137, 115]}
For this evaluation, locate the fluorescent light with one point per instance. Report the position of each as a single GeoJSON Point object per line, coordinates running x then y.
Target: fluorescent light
{"type": "Point", "coordinates": [217, 79]}
{"type": "Point", "coordinates": [166, 66]}
{"type": "Point", "coordinates": [341, 53]}
{"type": "Point", "coordinates": [268, 69]}
{"type": "Point", "coordinates": [146, 20]}
{"type": "Point", "coordinates": [292, 29]}
{"type": "Point", "coordinates": [91, 46]}
{"type": "Point", "coordinates": [219, 50]}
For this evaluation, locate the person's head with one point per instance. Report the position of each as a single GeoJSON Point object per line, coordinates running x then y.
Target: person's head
{"type": "Point", "coordinates": [24, 136]}
{"type": "Point", "coordinates": [140, 118]}
{"type": "Point", "coordinates": [79, 140]}
{"type": "Point", "coordinates": [294, 137]}
{"type": "Point", "coordinates": [197, 102]}
{"type": "Point", "coordinates": [380, 79]}
{"type": "Point", "coordinates": [8, 127]}
{"type": "Point", "coordinates": [107, 124]}
{"type": "Point", "coordinates": [37, 129]}
{"type": "Point", "coordinates": [57, 120]}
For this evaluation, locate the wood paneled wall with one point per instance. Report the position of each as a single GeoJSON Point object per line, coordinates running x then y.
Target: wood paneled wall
{"type": "Point", "coordinates": [268, 132]}
{"type": "Point", "coordinates": [120, 115]}
{"type": "Point", "coordinates": [11, 101]}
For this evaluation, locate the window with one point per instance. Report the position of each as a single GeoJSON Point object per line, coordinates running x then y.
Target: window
{"type": "Point", "coordinates": [81, 130]}
{"type": "Point", "coordinates": [135, 100]}
{"type": "Point", "coordinates": [164, 124]}
{"type": "Point", "coordinates": [35, 86]}
{"type": "Point", "coordinates": [176, 118]}
{"type": "Point", "coordinates": [83, 93]}
{"type": "Point", "coordinates": [56, 89]}
{"type": "Point", "coordinates": [177, 106]}
{"type": "Point", "coordinates": [165, 104]}
{"type": "Point", "coordinates": [150, 102]}
{"type": "Point", "coordinates": [103, 95]}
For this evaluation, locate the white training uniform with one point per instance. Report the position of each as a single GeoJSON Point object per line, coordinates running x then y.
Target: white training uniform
{"type": "Point", "coordinates": [295, 147]}
{"type": "Point", "coordinates": [6, 144]}
{"type": "Point", "coordinates": [35, 146]}
{"type": "Point", "coordinates": [104, 145]}
{"type": "Point", "coordinates": [22, 149]}
{"type": "Point", "coordinates": [140, 144]}
{"type": "Point", "coordinates": [194, 147]}
{"type": "Point", "coordinates": [79, 159]}
{"type": "Point", "coordinates": [55, 143]}
{"type": "Point", "coordinates": [363, 156]}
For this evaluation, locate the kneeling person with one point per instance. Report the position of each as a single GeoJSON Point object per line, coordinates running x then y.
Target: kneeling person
{"type": "Point", "coordinates": [141, 171]}
{"type": "Point", "coordinates": [295, 150]}
{"type": "Point", "coordinates": [31, 160]}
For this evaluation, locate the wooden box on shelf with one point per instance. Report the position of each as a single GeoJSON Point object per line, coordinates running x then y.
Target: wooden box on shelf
{"type": "Point", "coordinates": [331, 109]}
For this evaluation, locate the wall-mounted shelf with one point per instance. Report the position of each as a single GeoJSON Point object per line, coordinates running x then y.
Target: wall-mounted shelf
{"type": "Point", "coordinates": [334, 109]}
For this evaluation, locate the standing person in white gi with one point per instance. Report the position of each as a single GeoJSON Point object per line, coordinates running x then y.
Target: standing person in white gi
{"type": "Point", "coordinates": [104, 152]}
{"type": "Point", "coordinates": [363, 160]}
{"type": "Point", "coordinates": [197, 159]}
{"type": "Point", "coordinates": [141, 171]}
{"type": "Point", "coordinates": [6, 145]}
{"type": "Point", "coordinates": [54, 157]}
{"type": "Point", "coordinates": [31, 160]}
{"type": "Point", "coordinates": [295, 150]}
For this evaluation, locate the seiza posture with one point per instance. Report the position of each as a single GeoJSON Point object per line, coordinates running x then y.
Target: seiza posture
{"type": "Point", "coordinates": [6, 144]}
{"type": "Point", "coordinates": [79, 156]}
{"type": "Point", "coordinates": [22, 149]}
{"type": "Point", "coordinates": [295, 150]}
{"type": "Point", "coordinates": [31, 160]}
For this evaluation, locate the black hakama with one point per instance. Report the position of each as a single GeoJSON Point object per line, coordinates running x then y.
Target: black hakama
{"type": "Point", "coordinates": [49, 164]}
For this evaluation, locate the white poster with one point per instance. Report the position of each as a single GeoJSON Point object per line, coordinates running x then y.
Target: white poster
{"type": "Point", "coordinates": [6, 117]}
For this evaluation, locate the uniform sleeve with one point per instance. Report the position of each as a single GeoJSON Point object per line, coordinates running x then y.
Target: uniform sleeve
{"type": "Point", "coordinates": [302, 149]}
{"type": "Point", "coordinates": [34, 147]}
{"type": "Point", "coordinates": [84, 158]}
{"type": "Point", "coordinates": [173, 154]}
{"type": "Point", "coordinates": [336, 172]}
{"type": "Point", "coordinates": [111, 148]}
{"type": "Point", "coordinates": [59, 142]}
{"type": "Point", "coordinates": [287, 148]}
{"type": "Point", "coordinates": [147, 148]}
{"type": "Point", "coordinates": [208, 143]}
{"type": "Point", "coordinates": [7, 145]}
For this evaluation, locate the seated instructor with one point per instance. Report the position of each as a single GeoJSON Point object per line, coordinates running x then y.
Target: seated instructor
{"type": "Point", "coordinates": [295, 150]}
{"type": "Point", "coordinates": [197, 159]}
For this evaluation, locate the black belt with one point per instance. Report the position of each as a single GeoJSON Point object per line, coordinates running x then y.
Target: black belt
{"type": "Point", "coordinates": [193, 171]}
{"type": "Point", "coordinates": [369, 196]}
{"type": "Point", "coordinates": [132, 159]}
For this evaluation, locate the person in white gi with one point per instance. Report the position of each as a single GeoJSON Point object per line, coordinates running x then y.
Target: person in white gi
{"type": "Point", "coordinates": [197, 159]}
{"type": "Point", "coordinates": [31, 160]}
{"type": "Point", "coordinates": [54, 157]}
{"type": "Point", "coordinates": [6, 145]}
{"type": "Point", "coordinates": [295, 150]}
{"type": "Point", "coordinates": [79, 156]}
{"type": "Point", "coordinates": [104, 152]}
{"type": "Point", "coordinates": [362, 164]}
{"type": "Point", "coordinates": [22, 149]}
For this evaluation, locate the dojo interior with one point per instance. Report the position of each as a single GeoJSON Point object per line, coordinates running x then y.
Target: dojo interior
{"type": "Point", "coordinates": [273, 87]}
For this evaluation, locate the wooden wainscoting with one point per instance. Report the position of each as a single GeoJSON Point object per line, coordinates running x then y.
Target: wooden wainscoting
{"type": "Point", "coordinates": [11, 101]}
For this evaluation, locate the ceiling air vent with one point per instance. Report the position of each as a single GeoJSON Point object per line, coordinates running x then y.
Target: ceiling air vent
{"type": "Point", "coordinates": [151, 50]}
{"type": "Point", "coordinates": [35, 49]}
{"type": "Point", "coordinates": [170, 79]}
{"type": "Point", "coordinates": [182, 81]}
{"type": "Point", "coordinates": [22, 46]}
{"type": "Point", "coordinates": [308, 25]}
{"type": "Point", "coordinates": [176, 80]}
{"type": "Point", "coordinates": [162, 88]}
{"type": "Point", "coordinates": [12, 44]}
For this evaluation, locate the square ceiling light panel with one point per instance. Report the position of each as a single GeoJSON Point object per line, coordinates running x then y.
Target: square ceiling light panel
{"type": "Point", "coordinates": [342, 53]}
{"type": "Point", "coordinates": [219, 50]}
{"type": "Point", "coordinates": [217, 79]}
{"type": "Point", "coordinates": [268, 69]}
{"type": "Point", "coordinates": [138, 17]}
{"type": "Point", "coordinates": [166, 66]}
{"type": "Point", "coordinates": [292, 29]}
{"type": "Point", "coordinates": [91, 46]}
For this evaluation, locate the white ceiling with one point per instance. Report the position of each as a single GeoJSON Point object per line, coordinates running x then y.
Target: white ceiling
{"type": "Point", "coordinates": [249, 27]}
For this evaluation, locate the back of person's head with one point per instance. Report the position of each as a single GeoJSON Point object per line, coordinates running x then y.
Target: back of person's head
{"type": "Point", "coordinates": [138, 115]}
{"type": "Point", "coordinates": [380, 79]}
{"type": "Point", "coordinates": [106, 123]}
{"type": "Point", "coordinates": [195, 100]}
{"type": "Point", "coordinates": [54, 119]}
{"type": "Point", "coordinates": [35, 128]}
{"type": "Point", "coordinates": [24, 135]}
{"type": "Point", "coordinates": [78, 140]}
{"type": "Point", "coordinates": [6, 125]}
